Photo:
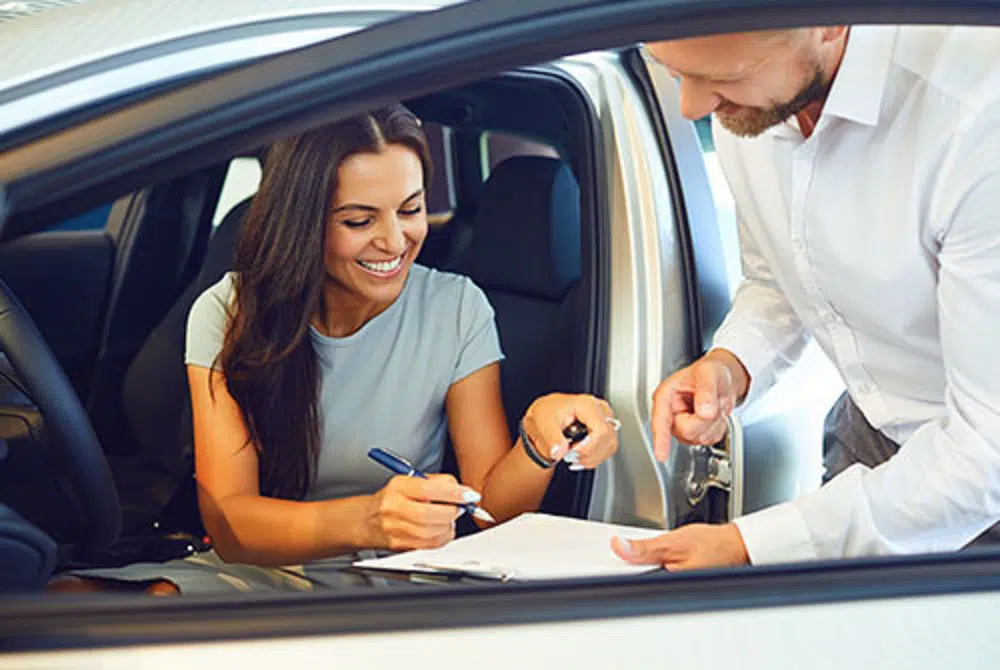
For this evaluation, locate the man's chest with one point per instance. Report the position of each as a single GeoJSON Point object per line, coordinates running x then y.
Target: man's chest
{"type": "Point", "coordinates": [847, 211]}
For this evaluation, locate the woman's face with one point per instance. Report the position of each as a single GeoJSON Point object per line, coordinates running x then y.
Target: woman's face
{"type": "Point", "coordinates": [377, 224]}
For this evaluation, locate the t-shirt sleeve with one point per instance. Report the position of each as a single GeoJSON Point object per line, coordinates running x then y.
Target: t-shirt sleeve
{"type": "Point", "coordinates": [206, 325]}
{"type": "Point", "coordinates": [479, 343]}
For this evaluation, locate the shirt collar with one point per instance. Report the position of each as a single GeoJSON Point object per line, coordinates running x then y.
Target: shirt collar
{"type": "Point", "coordinates": [860, 82]}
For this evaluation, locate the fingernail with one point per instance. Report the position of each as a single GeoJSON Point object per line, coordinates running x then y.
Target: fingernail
{"type": "Point", "coordinates": [576, 467]}
{"type": "Point", "coordinates": [705, 410]}
{"type": "Point", "coordinates": [471, 496]}
{"type": "Point", "coordinates": [554, 451]}
{"type": "Point", "coordinates": [626, 545]}
{"type": "Point", "coordinates": [461, 511]}
{"type": "Point", "coordinates": [571, 456]}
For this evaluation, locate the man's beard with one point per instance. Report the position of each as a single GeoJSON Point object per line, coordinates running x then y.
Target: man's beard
{"type": "Point", "coordinates": [752, 121]}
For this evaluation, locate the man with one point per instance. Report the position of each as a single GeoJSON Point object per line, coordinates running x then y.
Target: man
{"type": "Point", "coordinates": [865, 167]}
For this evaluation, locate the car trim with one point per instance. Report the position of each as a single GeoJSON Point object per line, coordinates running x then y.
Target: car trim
{"type": "Point", "coordinates": [254, 103]}
{"type": "Point", "coordinates": [77, 622]}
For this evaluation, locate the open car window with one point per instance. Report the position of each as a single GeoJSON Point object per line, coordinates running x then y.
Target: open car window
{"type": "Point", "coordinates": [578, 136]}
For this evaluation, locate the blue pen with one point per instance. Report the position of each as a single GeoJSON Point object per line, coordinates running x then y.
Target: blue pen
{"type": "Point", "coordinates": [401, 466]}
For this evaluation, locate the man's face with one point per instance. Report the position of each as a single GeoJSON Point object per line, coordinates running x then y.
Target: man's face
{"type": "Point", "coordinates": [750, 81]}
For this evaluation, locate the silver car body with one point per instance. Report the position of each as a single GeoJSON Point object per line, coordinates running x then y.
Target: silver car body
{"type": "Point", "coordinates": [773, 446]}
{"type": "Point", "coordinates": [76, 65]}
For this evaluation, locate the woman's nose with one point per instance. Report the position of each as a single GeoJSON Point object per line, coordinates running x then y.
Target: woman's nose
{"type": "Point", "coordinates": [391, 235]}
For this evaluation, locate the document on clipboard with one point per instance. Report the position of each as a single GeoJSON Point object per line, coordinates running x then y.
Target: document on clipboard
{"type": "Point", "coordinates": [529, 547]}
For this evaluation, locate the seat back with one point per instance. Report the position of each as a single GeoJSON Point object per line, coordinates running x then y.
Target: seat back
{"type": "Point", "coordinates": [525, 253]}
{"type": "Point", "coordinates": [159, 235]}
{"type": "Point", "coordinates": [157, 400]}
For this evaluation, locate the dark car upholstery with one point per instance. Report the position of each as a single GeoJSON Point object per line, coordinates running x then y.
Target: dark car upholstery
{"type": "Point", "coordinates": [157, 400]}
{"type": "Point", "coordinates": [525, 254]}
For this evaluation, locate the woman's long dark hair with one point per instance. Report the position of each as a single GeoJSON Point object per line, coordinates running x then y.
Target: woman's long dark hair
{"type": "Point", "coordinates": [267, 357]}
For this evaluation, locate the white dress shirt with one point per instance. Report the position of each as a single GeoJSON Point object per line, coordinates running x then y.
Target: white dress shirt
{"type": "Point", "coordinates": [879, 236]}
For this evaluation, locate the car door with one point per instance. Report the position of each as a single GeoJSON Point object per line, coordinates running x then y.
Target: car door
{"type": "Point", "coordinates": [774, 450]}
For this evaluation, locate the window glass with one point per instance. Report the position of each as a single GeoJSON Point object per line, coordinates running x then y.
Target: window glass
{"type": "Point", "coordinates": [242, 181]}
{"type": "Point", "coordinates": [94, 219]}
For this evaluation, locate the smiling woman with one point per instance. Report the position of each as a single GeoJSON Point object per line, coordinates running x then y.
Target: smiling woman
{"type": "Point", "coordinates": [297, 358]}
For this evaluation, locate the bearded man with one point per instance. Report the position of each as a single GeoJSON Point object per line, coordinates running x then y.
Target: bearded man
{"type": "Point", "coordinates": [864, 162]}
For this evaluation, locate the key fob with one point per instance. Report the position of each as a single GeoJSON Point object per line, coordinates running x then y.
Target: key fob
{"type": "Point", "coordinates": [575, 432]}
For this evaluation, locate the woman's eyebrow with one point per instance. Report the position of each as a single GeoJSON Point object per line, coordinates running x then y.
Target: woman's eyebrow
{"type": "Point", "coordinates": [353, 205]}
{"type": "Point", "coordinates": [370, 208]}
{"type": "Point", "coordinates": [413, 195]}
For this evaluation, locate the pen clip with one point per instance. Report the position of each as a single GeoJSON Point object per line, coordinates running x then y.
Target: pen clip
{"type": "Point", "coordinates": [399, 458]}
{"type": "Point", "coordinates": [394, 462]}
{"type": "Point", "coordinates": [473, 569]}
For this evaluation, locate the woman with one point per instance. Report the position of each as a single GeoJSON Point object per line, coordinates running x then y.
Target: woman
{"type": "Point", "coordinates": [327, 340]}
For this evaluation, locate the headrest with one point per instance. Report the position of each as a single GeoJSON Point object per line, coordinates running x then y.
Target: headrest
{"type": "Point", "coordinates": [221, 250]}
{"type": "Point", "coordinates": [526, 236]}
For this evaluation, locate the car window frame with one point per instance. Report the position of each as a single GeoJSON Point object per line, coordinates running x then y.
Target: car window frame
{"type": "Point", "coordinates": [205, 136]}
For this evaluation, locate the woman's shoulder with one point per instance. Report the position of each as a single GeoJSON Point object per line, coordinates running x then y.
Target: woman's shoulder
{"type": "Point", "coordinates": [446, 296]}
{"type": "Point", "coordinates": [214, 302]}
{"type": "Point", "coordinates": [436, 284]}
{"type": "Point", "coordinates": [207, 323]}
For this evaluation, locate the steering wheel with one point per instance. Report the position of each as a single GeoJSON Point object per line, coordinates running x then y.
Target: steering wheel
{"type": "Point", "coordinates": [72, 439]}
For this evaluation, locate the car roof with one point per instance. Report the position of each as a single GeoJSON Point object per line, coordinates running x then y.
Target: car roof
{"type": "Point", "coordinates": [49, 49]}
{"type": "Point", "coordinates": [17, 9]}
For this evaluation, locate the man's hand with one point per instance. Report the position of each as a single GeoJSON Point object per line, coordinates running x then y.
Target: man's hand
{"type": "Point", "coordinates": [687, 548]}
{"type": "Point", "coordinates": [692, 404]}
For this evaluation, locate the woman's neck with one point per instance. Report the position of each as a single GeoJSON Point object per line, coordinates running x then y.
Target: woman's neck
{"type": "Point", "coordinates": [343, 314]}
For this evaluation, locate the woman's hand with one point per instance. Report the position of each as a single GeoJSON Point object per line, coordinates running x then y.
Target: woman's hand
{"type": "Point", "coordinates": [550, 415]}
{"type": "Point", "coordinates": [412, 513]}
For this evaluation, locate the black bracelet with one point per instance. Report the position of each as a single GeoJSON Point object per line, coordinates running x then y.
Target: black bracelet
{"type": "Point", "coordinates": [529, 448]}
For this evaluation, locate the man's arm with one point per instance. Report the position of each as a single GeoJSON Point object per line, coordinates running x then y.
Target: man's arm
{"type": "Point", "coordinates": [943, 487]}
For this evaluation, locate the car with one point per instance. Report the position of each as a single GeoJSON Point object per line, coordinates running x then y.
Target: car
{"type": "Point", "coordinates": [153, 140]}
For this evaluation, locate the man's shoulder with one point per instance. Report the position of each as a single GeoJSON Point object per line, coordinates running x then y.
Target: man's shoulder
{"type": "Point", "coordinates": [960, 62]}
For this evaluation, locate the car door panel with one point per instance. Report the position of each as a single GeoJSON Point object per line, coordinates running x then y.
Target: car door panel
{"type": "Point", "coordinates": [780, 444]}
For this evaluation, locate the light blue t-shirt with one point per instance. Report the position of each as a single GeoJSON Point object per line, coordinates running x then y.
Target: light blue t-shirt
{"type": "Point", "coordinates": [385, 385]}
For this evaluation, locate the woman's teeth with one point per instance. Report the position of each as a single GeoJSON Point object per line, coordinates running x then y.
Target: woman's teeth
{"type": "Point", "coordinates": [385, 266]}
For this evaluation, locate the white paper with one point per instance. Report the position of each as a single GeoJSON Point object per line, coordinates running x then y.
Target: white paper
{"type": "Point", "coordinates": [532, 546]}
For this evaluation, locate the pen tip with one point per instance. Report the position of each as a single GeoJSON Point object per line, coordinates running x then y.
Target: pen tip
{"type": "Point", "coordinates": [483, 515]}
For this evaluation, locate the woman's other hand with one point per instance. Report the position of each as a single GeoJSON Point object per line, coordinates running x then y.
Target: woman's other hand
{"type": "Point", "coordinates": [550, 415]}
{"type": "Point", "coordinates": [413, 513]}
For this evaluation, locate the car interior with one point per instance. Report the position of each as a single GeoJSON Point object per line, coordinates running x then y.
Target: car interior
{"type": "Point", "coordinates": [513, 205]}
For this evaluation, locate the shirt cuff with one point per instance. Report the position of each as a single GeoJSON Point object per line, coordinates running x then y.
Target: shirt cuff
{"type": "Point", "coordinates": [776, 535]}
{"type": "Point", "coordinates": [753, 351]}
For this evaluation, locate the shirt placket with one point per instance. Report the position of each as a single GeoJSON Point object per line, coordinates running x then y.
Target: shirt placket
{"type": "Point", "coordinates": [824, 315]}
